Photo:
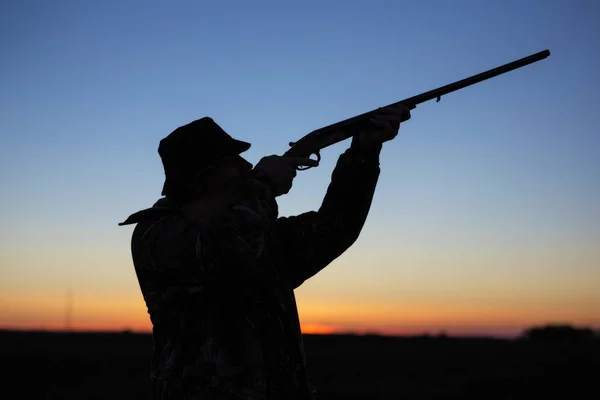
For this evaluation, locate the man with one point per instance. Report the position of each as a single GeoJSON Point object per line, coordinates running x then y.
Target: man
{"type": "Point", "coordinates": [218, 268]}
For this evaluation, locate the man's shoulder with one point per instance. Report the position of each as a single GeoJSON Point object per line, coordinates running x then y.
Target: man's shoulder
{"type": "Point", "coordinates": [164, 226]}
{"type": "Point", "coordinates": [163, 243]}
{"type": "Point", "coordinates": [157, 227]}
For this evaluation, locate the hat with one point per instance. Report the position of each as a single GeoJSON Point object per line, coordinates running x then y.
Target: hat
{"type": "Point", "coordinates": [192, 148]}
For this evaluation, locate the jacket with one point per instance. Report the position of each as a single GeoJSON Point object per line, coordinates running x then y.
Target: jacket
{"type": "Point", "coordinates": [220, 294]}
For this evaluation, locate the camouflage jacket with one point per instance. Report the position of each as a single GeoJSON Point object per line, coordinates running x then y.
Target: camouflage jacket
{"type": "Point", "coordinates": [220, 295]}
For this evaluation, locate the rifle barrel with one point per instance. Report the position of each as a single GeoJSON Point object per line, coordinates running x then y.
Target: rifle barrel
{"type": "Point", "coordinates": [412, 102]}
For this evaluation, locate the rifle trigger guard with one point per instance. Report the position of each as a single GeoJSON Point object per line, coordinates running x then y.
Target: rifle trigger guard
{"type": "Point", "coordinates": [438, 99]}
{"type": "Point", "coordinates": [316, 153]}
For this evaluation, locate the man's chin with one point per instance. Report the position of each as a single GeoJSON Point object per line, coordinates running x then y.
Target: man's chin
{"type": "Point", "coordinates": [244, 165]}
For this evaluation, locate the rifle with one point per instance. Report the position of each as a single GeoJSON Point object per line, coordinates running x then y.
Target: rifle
{"type": "Point", "coordinates": [334, 133]}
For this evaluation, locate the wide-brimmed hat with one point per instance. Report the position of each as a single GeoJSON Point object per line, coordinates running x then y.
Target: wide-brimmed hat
{"type": "Point", "coordinates": [193, 148]}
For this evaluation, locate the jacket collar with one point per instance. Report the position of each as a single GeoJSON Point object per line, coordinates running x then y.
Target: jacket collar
{"type": "Point", "coordinates": [162, 207]}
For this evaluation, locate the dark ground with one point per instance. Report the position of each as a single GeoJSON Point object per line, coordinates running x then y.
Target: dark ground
{"type": "Point", "coordinates": [115, 366]}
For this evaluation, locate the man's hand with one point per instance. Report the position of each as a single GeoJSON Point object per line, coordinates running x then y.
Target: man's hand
{"type": "Point", "coordinates": [384, 126]}
{"type": "Point", "coordinates": [281, 171]}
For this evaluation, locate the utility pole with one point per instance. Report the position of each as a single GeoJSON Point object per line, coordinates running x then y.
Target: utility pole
{"type": "Point", "coordinates": [68, 310]}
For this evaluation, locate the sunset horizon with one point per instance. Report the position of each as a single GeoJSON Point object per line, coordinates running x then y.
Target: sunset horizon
{"type": "Point", "coordinates": [131, 316]}
{"type": "Point", "coordinates": [317, 330]}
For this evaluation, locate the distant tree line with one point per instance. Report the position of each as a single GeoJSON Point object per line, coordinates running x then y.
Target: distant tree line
{"type": "Point", "coordinates": [560, 333]}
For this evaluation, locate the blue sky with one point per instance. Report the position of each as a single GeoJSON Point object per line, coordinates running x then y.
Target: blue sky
{"type": "Point", "coordinates": [508, 169]}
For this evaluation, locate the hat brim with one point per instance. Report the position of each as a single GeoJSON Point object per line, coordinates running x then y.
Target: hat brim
{"type": "Point", "coordinates": [240, 146]}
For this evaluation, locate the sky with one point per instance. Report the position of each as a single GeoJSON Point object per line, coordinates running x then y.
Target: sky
{"type": "Point", "coordinates": [486, 217]}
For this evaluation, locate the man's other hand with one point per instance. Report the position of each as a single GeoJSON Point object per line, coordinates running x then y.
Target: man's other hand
{"type": "Point", "coordinates": [281, 171]}
{"type": "Point", "coordinates": [384, 125]}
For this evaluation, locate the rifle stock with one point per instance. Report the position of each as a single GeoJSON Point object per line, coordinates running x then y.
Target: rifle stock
{"type": "Point", "coordinates": [339, 131]}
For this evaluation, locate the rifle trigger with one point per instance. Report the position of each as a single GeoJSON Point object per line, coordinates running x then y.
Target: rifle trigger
{"type": "Point", "coordinates": [438, 99]}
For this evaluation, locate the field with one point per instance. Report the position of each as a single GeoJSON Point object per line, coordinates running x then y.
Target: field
{"type": "Point", "coordinates": [115, 366]}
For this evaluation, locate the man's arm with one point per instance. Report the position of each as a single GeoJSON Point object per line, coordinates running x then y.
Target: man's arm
{"type": "Point", "coordinates": [305, 244]}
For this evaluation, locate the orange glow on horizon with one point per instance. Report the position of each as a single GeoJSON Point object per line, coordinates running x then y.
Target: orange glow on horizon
{"type": "Point", "coordinates": [320, 329]}
{"type": "Point", "coordinates": [128, 313]}
{"type": "Point", "coordinates": [399, 329]}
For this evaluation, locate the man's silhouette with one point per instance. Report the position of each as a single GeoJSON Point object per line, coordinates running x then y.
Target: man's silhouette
{"type": "Point", "coordinates": [218, 268]}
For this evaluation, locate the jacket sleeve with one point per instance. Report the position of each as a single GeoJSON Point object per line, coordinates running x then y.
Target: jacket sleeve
{"type": "Point", "coordinates": [307, 243]}
{"type": "Point", "coordinates": [220, 254]}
